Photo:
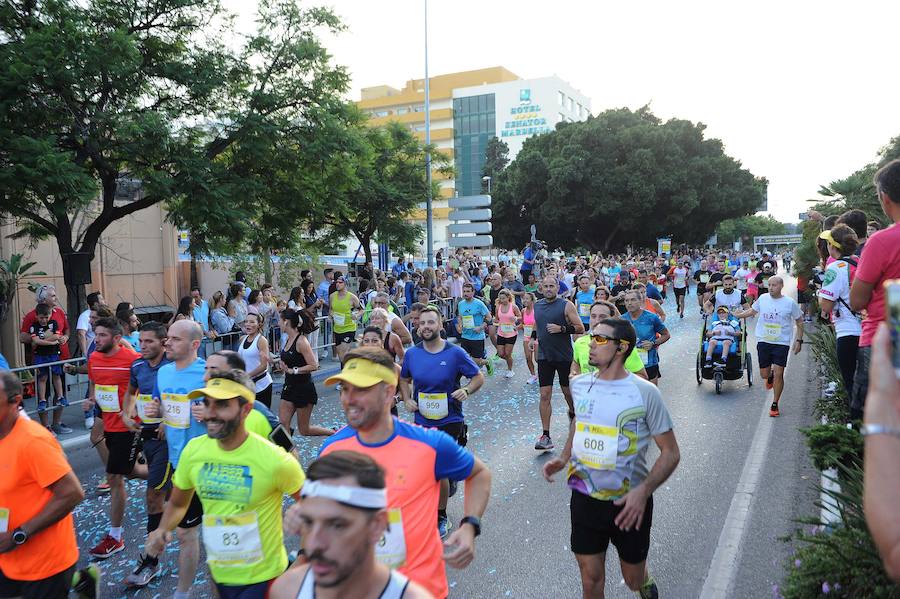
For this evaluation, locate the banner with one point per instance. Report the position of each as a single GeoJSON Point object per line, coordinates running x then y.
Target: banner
{"type": "Point", "coordinates": [664, 246]}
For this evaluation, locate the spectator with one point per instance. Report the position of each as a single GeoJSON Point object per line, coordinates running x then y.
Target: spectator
{"type": "Point", "coordinates": [871, 227]}
{"type": "Point", "coordinates": [45, 348]}
{"type": "Point", "coordinates": [295, 299]}
{"type": "Point", "coordinates": [398, 268]}
{"type": "Point", "coordinates": [46, 294]}
{"type": "Point", "coordinates": [322, 290]}
{"type": "Point", "coordinates": [856, 220]}
{"type": "Point", "coordinates": [123, 306]}
{"type": "Point", "coordinates": [880, 263]}
{"type": "Point", "coordinates": [221, 322]}
{"type": "Point", "coordinates": [83, 326]}
{"type": "Point", "coordinates": [236, 304]}
{"type": "Point", "coordinates": [185, 310]}
{"type": "Point", "coordinates": [38, 547]}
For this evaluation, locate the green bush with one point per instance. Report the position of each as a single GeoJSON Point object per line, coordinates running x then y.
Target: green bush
{"type": "Point", "coordinates": [832, 444]}
{"type": "Point", "coordinates": [823, 344]}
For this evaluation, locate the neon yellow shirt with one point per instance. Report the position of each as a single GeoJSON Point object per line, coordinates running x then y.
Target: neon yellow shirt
{"type": "Point", "coordinates": [241, 492]}
{"type": "Point", "coordinates": [582, 349]}
{"type": "Point", "coordinates": [257, 423]}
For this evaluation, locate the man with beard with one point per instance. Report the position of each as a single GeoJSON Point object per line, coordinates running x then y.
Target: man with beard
{"type": "Point", "coordinates": [727, 296]}
{"type": "Point", "coordinates": [109, 371]}
{"type": "Point", "coordinates": [342, 518]}
{"type": "Point", "coordinates": [241, 480]}
{"type": "Point", "coordinates": [415, 459]}
{"type": "Point", "coordinates": [434, 368]}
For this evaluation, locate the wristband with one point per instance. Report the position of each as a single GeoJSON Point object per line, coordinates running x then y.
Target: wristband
{"type": "Point", "coordinates": [867, 430]}
{"type": "Point", "coordinates": [570, 329]}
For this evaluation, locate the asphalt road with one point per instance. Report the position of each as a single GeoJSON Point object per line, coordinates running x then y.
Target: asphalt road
{"type": "Point", "coordinates": [524, 549]}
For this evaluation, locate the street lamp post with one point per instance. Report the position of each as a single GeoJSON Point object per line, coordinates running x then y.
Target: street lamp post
{"type": "Point", "coordinates": [429, 216]}
{"type": "Point", "coordinates": [487, 180]}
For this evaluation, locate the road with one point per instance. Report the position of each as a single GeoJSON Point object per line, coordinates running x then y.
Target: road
{"type": "Point", "coordinates": [524, 549]}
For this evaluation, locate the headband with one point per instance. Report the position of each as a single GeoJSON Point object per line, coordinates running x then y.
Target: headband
{"type": "Point", "coordinates": [366, 498]}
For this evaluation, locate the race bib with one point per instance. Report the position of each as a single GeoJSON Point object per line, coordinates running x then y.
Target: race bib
{"type": "Point", "coordinates": [107, 397]}
{"type": "Point", "coordinates": [679, 281]}
{"type": "Point", "coordinates": [232, 540]}
{"type": "Point", "coordinates": [704, 279]}
{"type": "Point", "coordinates": [528, 330]}
{"type": "Point", "coordinates": [644, 356]}
{"type": "Point", "coordinates": [391, 549]}
{"type": "Point", "coordinates": [584, 310]}
{"type": "Point", "coordinates": [596, 446]}
{"type": "Point", "coordinates": [141, 405]}
{"type": "Point", "coordinates": [508, 329]}
{"type": "Point", "coordinates": [4, 519]}
{"type": "Point", "coordinates": [468, 321]}
{"type": "Point", "coordinates": [177, 410]}
{"type": "Point", "coordinates": [771, 331]}
{"type": "Point", "coordinates": [339, 319]}
{"type": "Point", "coordinates": [433, 406]}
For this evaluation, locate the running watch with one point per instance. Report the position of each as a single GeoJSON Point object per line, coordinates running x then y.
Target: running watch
{"type": "Point", "coordinates": [475, 521]}
{"type": "Point", "coordinates": [19, 536]}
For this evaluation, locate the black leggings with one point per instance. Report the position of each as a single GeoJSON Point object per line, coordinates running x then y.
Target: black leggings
{"type": "Point", "coordinates": [265, 396]}
{"type": "Point", "coordinates": [847, 348]}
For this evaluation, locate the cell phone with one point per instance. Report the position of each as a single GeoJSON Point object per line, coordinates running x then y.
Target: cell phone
{"type": "Point", "coordinates": [892, 309]}
{"type": "Point", "coordinates": [281, 438]}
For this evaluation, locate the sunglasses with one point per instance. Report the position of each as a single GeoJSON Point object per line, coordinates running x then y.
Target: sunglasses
{"type": "Point", "coordinates": [603, 339]}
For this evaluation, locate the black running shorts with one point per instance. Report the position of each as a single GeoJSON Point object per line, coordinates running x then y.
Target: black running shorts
{"type": "Point", "coordinates": [547, 369]}
{"type": "Point", "coordinates": [593, 527]}
{"type": "Point", "coordinates": [123, 449]}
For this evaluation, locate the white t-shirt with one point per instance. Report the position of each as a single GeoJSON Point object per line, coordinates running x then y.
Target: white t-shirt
{"type": "Point", "coordinates": [732, 300]}
{"type": "Point", "coordinates": [740, 276]}
{"type": "Point", "coordinates": [679, 277]}
{"type": "Point", "coordinates": [775, 323]}
{"type": "Point", "coordinates": [835, 287]}
{"type": "Point", "coordinates": [84, 324]}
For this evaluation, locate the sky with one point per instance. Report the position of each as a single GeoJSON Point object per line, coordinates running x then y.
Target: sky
{"type": "Point", "coordinates": [802, 93]}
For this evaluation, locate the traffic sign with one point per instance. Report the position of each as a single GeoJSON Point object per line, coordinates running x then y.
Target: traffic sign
{"type": "Point", "coordinates": [475, 241]}
{"type": "Point", "coordinates": [482, 201]}
{"type": "Point", "coordinates": [777, 240]}
{"type": "Point", "coordinates": [479, 214]}
{"type": "Point", "coordinates": [457, 228]}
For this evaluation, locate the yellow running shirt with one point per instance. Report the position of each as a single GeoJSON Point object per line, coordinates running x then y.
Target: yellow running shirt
{"type": "Point", "coordinates": [241, 492]}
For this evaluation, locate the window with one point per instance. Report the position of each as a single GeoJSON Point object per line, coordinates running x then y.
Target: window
{"type": "Point", "coordinates": [561, 98]}
{"type": "Point", "coordinates": [419, 128]}
{"type": "Point", "coordinates": [419, 108]}
{"type": "Point", "coordinates": [380, 113]}
{"type": "Point", "coordinates": [402, 110]}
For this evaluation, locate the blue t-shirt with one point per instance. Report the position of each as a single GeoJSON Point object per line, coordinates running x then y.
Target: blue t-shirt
{"type": "Point", "coordinates": [528, 254]}
{"type": "Point", "coordinates": [583, 302]}
{"type": "Point", "coordinates": [143, 378]}
{"type": "Point", "coordinates": [614, 271]}
{"type": "Point", "coordinates": [201, 315]}
{"type": "Point", "coordinates": [477, 310]}
{"type": "Point", "coordinates": [3, 363]}
{"type": "Point", "coordinates": [178, 383]}
{"type": "Point", "coordinates": [653, 292]}
{"type": "Point", "coordinates": [647, 325]}
{"type": "Point", "coordinates": [438, 373]}
{"type": "Point", "coordinates": [410, 293]}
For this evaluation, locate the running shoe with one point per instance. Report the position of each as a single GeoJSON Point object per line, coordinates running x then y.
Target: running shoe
{"type": "Point", "coordinates": [61, 429]}
{"type": "Point", "coordinates": [509, 374]}
{"type": "Point", "coordinates": [63, 402]}
{"type": "Point", "coordinates": [531, 380]}
{"type": "Point", "coordinates": [649, 590]}
{"type": "Point", "coordinates": [147, 569]}
{"type": "Point", "coordinates": [489, 365]}
{"type": "Point", "coordinates": [42, 405]}
{"type": "Point", "coordinates": [444, 526]}
{"type": "Point", "coordinates": [770, 382]}
{"type": "Point", "coordinates": [544, 443]}
{"type": "Point", "coordinates": [86, 582]}
{"type": "Point", "coordinates": [103, 486]}
{"type": "Point", "coordinates": [773, 410]}
{"type": "Point", "coordinates": [107, 547]}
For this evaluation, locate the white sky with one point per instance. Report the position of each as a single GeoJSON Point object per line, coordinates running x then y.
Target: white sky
{"type": "Point", "coordinates": [800, 92]}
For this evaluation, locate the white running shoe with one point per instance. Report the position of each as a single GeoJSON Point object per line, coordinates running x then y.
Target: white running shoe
{"type": "Point", "coordinates": [509, 374]}
{"type": "Point", "coordinates": [531, 380]}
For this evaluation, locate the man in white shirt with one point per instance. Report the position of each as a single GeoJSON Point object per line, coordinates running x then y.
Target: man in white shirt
{"type": "Point", "coordinates": [773, 335]}
{"type": "Point", "coordinates": [741, 275]}
{"type": "Point", "coordinates": [83, 326]}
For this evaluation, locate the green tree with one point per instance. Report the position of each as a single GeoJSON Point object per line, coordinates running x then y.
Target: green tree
{"type": "Point", "coordinates": [374, 185]}
{"type": "Point", "coordinates": [108, 107]}
{"type": "Point", "coordinates": [496, 158]}
{"type": "Point", "coordinates": [745, 228]}
{"type": "Point", "coordinates": [621, 177]}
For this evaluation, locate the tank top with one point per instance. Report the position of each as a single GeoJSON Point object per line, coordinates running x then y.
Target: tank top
{"type": "Point", "coordinates": [341, 313]}
{"type": "Point", "coordinates": [387, 345]}
{"type": "Point", "coordinates": [649, 307]}
{"type": "Point", "coordinates": [553, 347]}
{"type": "Point", "coordinates": [507, 320]}
{"type": "Point", "coordinates": [394, 588]}
{"type": "Point", "coordinates": [249, 351]}
{"type": "Point", "coordinates": [528, 321]}
{"type": "Point", "coordinates": [292, 358]}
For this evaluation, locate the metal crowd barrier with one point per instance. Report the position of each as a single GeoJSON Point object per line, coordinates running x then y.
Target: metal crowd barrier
{"type": "Point", "coordinates": [74, 385]}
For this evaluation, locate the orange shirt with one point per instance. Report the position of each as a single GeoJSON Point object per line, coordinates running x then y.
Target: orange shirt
{"type": "Point", "coordinates": [414, 460]}
{"type": "Point", "coordinates": [111, 375]}
{"type": "Point", "coordinates": [32, 461]}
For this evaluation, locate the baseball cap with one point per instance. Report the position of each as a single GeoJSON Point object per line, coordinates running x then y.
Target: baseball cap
{"type": "Point", "coordinates": [722, 309]}
{"type": "Point", "coordinates": [363, 373]}
{"type": "Point", "coordinates": [223, 389]}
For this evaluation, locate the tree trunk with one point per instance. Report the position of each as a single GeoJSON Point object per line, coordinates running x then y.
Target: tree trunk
{"type": "Point", "coordinates": [268, 267]}
{"type": "Point", "coordinates": [367, 248]}
{"type": "Point", "coordinates": [195, 279]}
{"type": "Point", "coordinates": [609, 238]}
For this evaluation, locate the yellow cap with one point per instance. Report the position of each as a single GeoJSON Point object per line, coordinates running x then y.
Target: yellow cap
{"type": "Point", "coordinates": [826, 235]}
{"type": "Point", "coordinates": [223, 389]}
{"type": "Point", "coordinates": [364, 373]}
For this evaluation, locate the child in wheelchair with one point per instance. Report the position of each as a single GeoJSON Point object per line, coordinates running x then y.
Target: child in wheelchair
{"type": "Point", "coordinates": [723, 332]}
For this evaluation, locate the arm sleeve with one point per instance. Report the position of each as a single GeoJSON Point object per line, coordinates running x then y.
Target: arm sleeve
{"type": "Point", "coordinates": [405, 372]}
{"type": "Point", "coordinates": [182, 476]}
{"type": "Point", "coordinates": [83, 323]}
{"type": "Point", "coordinates": [451, 461]}
{"type": "Point", "coordinates": [290, 474]}
{"type": "Point", "coordinates": [48, 463]}
{"type": "Point", "coordinates": [871, 264]}
{"type": "Point", "coordinates": [132, 378]}
{"type": "Point", "coordinates": [658, 419]}
{"type": "Point", "coordinates": [658, 326]}
{"type": "Point", "coordinates": [467, 366]}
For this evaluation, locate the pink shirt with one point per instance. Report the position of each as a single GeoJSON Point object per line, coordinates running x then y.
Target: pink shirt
{"type": "Point", "coordinates": [880, 261]}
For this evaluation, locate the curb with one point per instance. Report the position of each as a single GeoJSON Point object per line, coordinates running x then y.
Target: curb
{"type": "Point", "coordinates": [85, 439]}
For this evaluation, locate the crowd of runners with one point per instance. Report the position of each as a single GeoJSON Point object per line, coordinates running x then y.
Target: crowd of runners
{"type": "Point", "coordinates": [414, 344]}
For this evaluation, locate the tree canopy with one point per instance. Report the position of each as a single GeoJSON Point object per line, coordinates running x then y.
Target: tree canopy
{"type": "Point", "coordinates": [621, 177]}
{"type": "Point", "coordinates": [745, 228]}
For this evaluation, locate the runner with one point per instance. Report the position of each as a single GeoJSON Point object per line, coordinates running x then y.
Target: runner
{"type": "Point", "coordinates": [582, 347]}
{"type": "Point", "coordinates": [612, 490]}
{"type": "Point", "coordinates": [651, 333]}
{"type": "Point", "coordinates": [342, 305]}
{"type": "Point", "coordinates": [174, 381]}
{"type": "Point", "coordinates": [434, 368]}
{"type": "Point", "coordinates": [679, 276]}
{"type": "Point", "coordinates": [254, 349]}
{"type": "Point", "coordinates": [298, 362]}
{"type": "Point", "coordinates": [556, 320]}
{"type": "Point", "coordinates": [529, 335]}
{"type": "Point", "coordinates": [650, 305]}
{"type": "Point", "coordinates": [109, 370]}
{"type": "Point", "coordinates": [414, 459]}
{"type": "Point", "coordinates": [762, 279]}
{"type": "Point", "coordinates": [727, 296]}
{"type": "Point", "coordinates": [702, 277]}
{"type": "Point", "coordinates": [584, 298]}
{"type": "Point", "coordinates": [773, 335]}
{"type": "Point", "coordinates": [142, 382]}
{"type": "Point", "coordinates": [240, 479]}
{"type": "Point", "coordinates": [342, 517]}
{"type": "Point", "coordinates": [471, 323]}
{"type": "Point", "coordinates": [508, 316]}
{"type": "Point", "coordinates": [38, 491]}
